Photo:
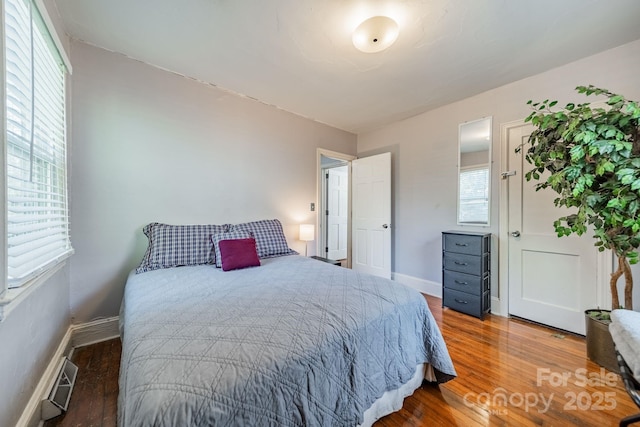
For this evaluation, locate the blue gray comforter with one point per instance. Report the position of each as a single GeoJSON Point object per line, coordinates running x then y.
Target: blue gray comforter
{"type": "Point", "coordinates": [294, 342]}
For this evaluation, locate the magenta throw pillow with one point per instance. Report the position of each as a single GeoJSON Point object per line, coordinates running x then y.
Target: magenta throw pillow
{"type": "Point", "coordinates": [238, 253]}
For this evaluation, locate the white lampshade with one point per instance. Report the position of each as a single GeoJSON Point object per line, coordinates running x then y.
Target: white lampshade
{"type": "Point", "coordinates": [375, 34]}
{"type": "Point", "coordinates": [307, 232]}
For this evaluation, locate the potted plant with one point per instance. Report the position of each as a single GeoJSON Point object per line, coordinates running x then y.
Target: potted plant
{"type": "Point", "coordinates": [592, 158]}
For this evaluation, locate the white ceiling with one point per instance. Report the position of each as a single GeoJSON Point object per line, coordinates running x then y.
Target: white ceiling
{"type": "Point", "coordinates": [298, 55]}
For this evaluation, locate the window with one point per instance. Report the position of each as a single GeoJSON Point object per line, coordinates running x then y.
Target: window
{"type": "Point", "coordinates": [474, 195]}
{"type": "Point", "coordinates": [36, 173]}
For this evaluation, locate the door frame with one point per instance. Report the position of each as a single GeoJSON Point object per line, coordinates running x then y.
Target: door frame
{"type": "Point", "coordinates": [320, 197]}
{"type": "Point", "coordinates": [604, 261]}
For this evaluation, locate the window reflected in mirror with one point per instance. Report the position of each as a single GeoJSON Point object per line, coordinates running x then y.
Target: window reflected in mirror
{"type": "Point", "coordinates": [474, 172]}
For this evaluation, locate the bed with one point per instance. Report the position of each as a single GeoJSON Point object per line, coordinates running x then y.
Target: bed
{"type": "Point", "coordinates": [293, 342]}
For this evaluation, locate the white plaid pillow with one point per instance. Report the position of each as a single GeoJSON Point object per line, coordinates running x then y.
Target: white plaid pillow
{"type": "Point", "coordinates": [230, 235]}
{"type": "Point", "coordinates": [178, 245]}
{"type": "Point", "coordinates": [269, 237]}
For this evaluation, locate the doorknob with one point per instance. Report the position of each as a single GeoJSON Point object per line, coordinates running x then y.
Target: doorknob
{"type": "Point", "coordinates": [515, 233]}
{"type": "Point", "coordinates": [385, 226]}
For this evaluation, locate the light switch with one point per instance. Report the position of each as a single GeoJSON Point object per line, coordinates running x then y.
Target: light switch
{"type": "Point", "coordinates": [313, 207]}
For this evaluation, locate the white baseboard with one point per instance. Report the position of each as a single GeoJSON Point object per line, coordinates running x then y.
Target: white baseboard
{"type": "Point", "coordinates": [96, 331]}
{"type": "Point", "coordinates": [424, 286]}
{"type": "Point", "coordinates": [76, 336]}
{"type": "Point", "coordinates": [495, 307]}
{"type": "Point", "coordinates": [31, 414]}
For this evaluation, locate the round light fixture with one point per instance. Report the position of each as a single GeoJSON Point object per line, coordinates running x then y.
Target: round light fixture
{"type": "Point", "coordinates": [375, 34]}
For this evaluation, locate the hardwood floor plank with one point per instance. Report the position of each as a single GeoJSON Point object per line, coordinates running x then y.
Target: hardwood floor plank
{"type": "Point", "coordinates": [506, 369]}
{"type": "Point", "coordinates": [110, 413]}
{"type": "Point", "coordinates": [95, 380]}
{"type": "Point", "coordinates": [510, 373]}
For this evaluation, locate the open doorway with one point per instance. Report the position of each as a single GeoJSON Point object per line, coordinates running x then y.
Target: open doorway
{"type": "Point", "coordinates": [334, 206]}
{"type": "Point", "coordinates": [335, 214]}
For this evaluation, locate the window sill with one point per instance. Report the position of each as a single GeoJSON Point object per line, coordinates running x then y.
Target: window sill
{"type": "Point", "coordinates": [14, 296]}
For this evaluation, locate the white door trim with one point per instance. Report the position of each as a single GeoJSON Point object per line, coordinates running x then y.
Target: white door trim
{"type": "Point", "coordinates": [604, 259]}
{"type": "Point", "coordinates": [503, 219]}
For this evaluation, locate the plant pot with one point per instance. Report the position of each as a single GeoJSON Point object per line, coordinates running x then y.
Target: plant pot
{"type": "Point", "coordinates": [600, 347]}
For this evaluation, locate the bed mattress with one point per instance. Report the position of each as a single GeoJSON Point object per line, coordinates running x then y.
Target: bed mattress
{"type": "Point", "coordinates": [294, 342]}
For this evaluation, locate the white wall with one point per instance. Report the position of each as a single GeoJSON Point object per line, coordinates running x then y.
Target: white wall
{"type": "Point", "coordinates": [425, 147]}
{"type": "Point", "coordinates": [29, 336]}
{"type": "Point", "coordinates": [32, 331]}
{"type": "Point", "coordinates": [149, 145]}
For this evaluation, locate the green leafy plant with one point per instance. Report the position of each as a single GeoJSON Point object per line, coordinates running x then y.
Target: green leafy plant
{"type": "Point", "coordinates": [600, 315]}
{"type": "Point", "coordinates": [592, 156]}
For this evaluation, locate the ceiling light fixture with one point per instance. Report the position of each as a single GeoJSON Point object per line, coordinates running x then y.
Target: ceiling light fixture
{"type": "Point", "coordinates": [375, 34]}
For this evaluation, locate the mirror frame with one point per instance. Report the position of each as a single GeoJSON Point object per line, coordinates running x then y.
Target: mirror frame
{"type": "Point", "coordinates": [489, 119]}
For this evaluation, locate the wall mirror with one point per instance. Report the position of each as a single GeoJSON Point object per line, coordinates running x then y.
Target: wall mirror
{"type": "Point", "coordinates": [474, 172]}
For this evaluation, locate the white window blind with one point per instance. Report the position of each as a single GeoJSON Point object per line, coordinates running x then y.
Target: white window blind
{"type": "Point", "coordinates": [37, 212]}
{"type": "Point", "coordinates": [474, 195]}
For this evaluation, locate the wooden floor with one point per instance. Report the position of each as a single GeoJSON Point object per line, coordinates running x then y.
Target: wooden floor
{"type": "Point", "coordinates": [510, 373]}
{"type": "Point", "coordinates": [94, 400]}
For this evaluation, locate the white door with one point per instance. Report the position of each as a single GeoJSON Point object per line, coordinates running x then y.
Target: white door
{"type": "Point", "coordinates": [552, 280]}
{"type": "Point", "coordinates": [371, 222]}
{"type": "Point", "coordinates": [337, 212]}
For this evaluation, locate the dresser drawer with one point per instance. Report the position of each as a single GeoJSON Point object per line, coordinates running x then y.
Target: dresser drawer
{"type": "Point", "coordinates": [461, 301]}
{"type": "Point", "coordinates": [470, 264]}
{"type": "Point", "coordinates": [463, 244]}
{"type": "Point", "coordinates": [464, 282]}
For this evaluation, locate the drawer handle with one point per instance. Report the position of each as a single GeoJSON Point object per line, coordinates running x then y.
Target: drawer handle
{"type": "Point", "coordinates": [460, 283]}
{"type": "Point", "coordinates": [459, 263]}
{"type": "Point", "coordinates": [461, 244]}
{"type": "Point", "coordinates": [459, 301]}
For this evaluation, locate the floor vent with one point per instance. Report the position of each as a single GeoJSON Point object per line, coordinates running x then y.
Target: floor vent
{"type": "Point", "coordinates": [58, 400]}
